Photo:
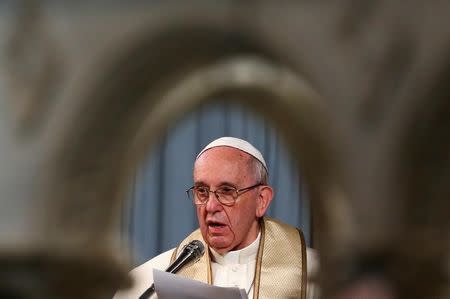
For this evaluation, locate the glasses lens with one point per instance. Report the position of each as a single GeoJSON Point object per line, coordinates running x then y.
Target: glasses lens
{"type": "Point", "coordinates": [201, 195]}
{"type": "Point", "coordinates": [227, 195]}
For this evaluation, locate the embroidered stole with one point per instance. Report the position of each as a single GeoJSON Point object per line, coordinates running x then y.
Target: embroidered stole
{"type": "Point", "coordinates": [280, 270]}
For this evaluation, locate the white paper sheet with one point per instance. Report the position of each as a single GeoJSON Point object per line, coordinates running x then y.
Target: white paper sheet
{"type": "Point", "coordinates": [171, 286]}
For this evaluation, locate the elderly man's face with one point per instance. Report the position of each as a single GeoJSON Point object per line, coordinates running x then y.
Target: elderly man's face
{"type": "Point", "coordinates": [228, 228]}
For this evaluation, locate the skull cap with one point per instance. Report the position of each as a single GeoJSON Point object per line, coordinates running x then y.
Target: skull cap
{"type": "Point", "coordinates": [238, 144]}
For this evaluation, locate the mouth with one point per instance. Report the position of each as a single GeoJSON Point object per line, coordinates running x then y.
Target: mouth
{"type": "Point", "coordinates": [216, 226]}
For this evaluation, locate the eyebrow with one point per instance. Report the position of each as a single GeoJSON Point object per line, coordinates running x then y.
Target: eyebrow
{"type": "Point", "coordinates": [224, 183]}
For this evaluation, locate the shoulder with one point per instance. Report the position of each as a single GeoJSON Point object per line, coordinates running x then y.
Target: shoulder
{"type": "Point", "coordinates": [160, 262]}
{"type": "Point", "coordinates": [312, 267]}
{"type": "Point", "coordinates": [142, 276]}
{"type": "Point", "coordinates": [312, 261]}
{"type": "Point", "coordinates": [312, 257]}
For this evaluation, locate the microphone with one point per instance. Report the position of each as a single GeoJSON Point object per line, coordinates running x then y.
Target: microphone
{"type": "Point", "coordinates": [191, 252]}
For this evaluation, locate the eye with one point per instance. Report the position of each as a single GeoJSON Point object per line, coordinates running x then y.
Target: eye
{"type": "Point", "coordinates": [201, 190]}
{"type": "Point", "coordinates": [226, 190]}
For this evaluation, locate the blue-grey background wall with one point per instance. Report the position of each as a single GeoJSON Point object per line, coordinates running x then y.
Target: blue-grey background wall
{"type": "Point", "coordinates": [159, 215]}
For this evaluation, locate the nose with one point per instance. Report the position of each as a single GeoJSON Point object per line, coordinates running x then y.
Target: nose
{"type": "Point", "coordinates": [213, 204]}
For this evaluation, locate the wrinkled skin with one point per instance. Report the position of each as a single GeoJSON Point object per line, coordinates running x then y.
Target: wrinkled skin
{"type": "Point", "coordinates": [230, 228]}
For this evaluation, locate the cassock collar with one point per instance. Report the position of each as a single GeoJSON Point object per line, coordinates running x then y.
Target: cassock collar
{"type": "Point", "coordinates": [241, 256]}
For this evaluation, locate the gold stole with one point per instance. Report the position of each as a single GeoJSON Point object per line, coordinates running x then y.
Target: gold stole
{"type": "Point", "coordinates": [280, 270]}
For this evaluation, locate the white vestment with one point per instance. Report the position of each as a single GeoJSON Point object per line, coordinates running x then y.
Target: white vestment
{"type": "Point", "coordinates": [234, 269]}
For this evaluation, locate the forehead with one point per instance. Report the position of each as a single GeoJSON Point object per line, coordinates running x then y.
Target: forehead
{"type": "Point", "coordinates": [223, 161]}
{"type": "Point", "coordinates": [225, 154]}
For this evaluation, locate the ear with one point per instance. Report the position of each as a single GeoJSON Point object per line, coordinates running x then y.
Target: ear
{"type": "Point", "coordinates": [264, 199]}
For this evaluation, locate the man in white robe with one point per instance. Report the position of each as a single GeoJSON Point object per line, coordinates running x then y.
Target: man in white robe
{"type": "Point", "coordinates": [231, 195]}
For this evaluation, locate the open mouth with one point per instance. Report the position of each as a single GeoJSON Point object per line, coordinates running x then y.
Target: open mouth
{"type": "Point", "coordinates": [216, 225]}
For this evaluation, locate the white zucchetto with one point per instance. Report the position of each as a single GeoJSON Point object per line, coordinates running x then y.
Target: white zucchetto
{"type": "Point", "coordinates": [238, 144]}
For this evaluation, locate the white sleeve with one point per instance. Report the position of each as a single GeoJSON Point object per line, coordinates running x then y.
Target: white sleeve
{"type": "Point", "coordinates": [142, 276]}
{"type": "Point", "coordinates": [312, 261]}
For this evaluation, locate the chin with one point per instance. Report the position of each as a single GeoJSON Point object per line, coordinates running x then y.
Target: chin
{"type": "Point", "coordinates": [218, 246]}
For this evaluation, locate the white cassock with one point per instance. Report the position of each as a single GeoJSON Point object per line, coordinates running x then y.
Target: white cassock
{"type": "Point", "coordinates": [233, 269]}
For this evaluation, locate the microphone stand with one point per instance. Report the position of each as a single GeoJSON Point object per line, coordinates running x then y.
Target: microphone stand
{"type": "Point", "coordinates": [148, 292]}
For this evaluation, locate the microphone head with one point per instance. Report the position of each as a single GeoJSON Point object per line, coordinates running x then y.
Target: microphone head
{"type": "Point", "coordinates": [197, 248]}
{"type": "Point", "coordinates": [190, 253]}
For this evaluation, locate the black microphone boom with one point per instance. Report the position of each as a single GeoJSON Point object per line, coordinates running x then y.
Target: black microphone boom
{"type": "Point", "coordinates": [191, 252]}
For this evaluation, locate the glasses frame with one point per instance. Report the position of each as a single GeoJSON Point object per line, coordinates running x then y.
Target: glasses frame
{"type": "Point", "coordinates": [239, 192]}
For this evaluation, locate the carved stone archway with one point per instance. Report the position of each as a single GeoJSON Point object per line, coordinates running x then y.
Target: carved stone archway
{"type": "Point", "coordinates": [143, 68]}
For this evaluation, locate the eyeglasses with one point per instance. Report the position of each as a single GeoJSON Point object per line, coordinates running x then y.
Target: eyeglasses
{"type": "Point", "coordinates": [226, 195]}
